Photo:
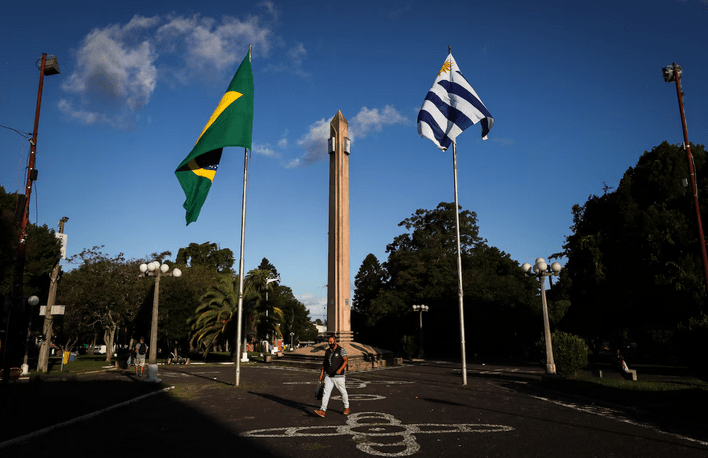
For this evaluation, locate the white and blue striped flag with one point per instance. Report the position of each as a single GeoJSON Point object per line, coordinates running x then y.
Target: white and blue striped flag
{"type": "Point", "coordinates": [450, 107]}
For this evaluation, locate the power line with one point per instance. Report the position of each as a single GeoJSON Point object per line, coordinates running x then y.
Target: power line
{"type": "Point", "coordinates": [24, 134]}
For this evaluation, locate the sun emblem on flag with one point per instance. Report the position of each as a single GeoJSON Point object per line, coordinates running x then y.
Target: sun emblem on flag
{"type": "Point", "coordinates": [446, 67]}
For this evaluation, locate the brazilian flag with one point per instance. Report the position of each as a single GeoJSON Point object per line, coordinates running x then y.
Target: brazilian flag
{"type": "Point", "coordinates": [231, 124]}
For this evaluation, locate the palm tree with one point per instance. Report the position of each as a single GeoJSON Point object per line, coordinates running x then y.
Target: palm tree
{"type": "Point", "coordinates": [216, 316]}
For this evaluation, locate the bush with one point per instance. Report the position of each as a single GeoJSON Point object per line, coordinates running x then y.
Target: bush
{"type": "Point", "coordinates": [410, 349]}
{"type": "Point", "coordinates": [570, 353]}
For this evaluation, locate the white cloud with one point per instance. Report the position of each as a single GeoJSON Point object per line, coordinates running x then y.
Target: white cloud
{"type": "Point", "coordinates": [374, 120]}
{"type": "Point", "coordinates": [317, 305]}
{"type": "Point", "coordinates": [271, 9]}
{"type": "Point", "coordinates": [118, 67]}
{"type": "Point", "coordinates": [314, 142]}
{"type": "Point", "coordinates": [265, 150]}
{"type": "Point", "coordinates": [214, 45]}
{"type": "Point", "coordinates": [112, 71]}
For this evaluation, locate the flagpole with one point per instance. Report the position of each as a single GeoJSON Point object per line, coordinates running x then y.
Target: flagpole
{"type": "Point", "coordinates": [459, 270]}
{"type": "Point", "coordinates": [241, 275]}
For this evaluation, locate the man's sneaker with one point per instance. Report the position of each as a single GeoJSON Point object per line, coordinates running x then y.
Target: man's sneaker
{"type": "Point", "coordinates": [346, 411]}
{"type": "Point", "coordinates": [321, 413]}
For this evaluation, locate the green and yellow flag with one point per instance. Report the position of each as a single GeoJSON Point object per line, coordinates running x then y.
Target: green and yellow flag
{"type": "Point", "coordinates": [231, 124]}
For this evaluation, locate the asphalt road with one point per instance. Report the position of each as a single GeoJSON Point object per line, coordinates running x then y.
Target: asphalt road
{"type": "Point", "coordinates": [420, 409]}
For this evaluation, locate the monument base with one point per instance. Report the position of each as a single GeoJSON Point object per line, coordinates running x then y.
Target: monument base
{"type": "Point", "coordinates": [361, 357]}
{"type": "Point", "coordinates": [344, 336]}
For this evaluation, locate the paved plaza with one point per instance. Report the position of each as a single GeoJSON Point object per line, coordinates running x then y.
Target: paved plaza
{"type": "Point", "coordinates": [418, 409]}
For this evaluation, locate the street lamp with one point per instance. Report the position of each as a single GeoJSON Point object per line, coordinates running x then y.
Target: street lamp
{"type": "Point", "coordinates": [268, 282]}
{"type": "Point", "coordinates": [421, 309]}
{"type": "Point", "coordinates": [154, 269]}
{"type": "Point", "coordinates": [541, 270]}
{"type": "Point", "coordinates": [32, 301]}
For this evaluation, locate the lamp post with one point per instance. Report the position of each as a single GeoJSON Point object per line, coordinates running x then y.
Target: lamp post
{"type": "Point", "coordinates": [673, 73]}
{"type": "Point", "coordinates": [268, 282]}
{"type": "Point", "coordinates": [541, 270]}
{"type": "Point", "coordinates": [32, 301]}
{"type": "Point", "coordinates": [421, 309]}
{"type": "Point", "coordinates": [154, 269]}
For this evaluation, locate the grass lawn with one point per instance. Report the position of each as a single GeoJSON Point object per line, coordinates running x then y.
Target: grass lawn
{"type": "Point", "coordinates": [85, 364]}
{"type": "Point", "coordinates": [685, 399]}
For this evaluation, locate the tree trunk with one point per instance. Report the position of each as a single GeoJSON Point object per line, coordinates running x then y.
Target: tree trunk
{"type": "Point", "coordinates": [91, 348]}
{"type": "Point", "coordinates": [108, 337]}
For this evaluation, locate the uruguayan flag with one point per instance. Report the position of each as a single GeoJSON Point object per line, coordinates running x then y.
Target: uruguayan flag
{"type": "Point", "coordinates": [450, 107]}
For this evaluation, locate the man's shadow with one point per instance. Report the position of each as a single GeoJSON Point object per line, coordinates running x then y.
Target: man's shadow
{"type": "Point", "coordinates": [307, 408]}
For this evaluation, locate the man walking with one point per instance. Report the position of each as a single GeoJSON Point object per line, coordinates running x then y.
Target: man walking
{"type": "Point", "coordinates": [335, 361]}
{"type": "Point", "coordinates": [140, 352]}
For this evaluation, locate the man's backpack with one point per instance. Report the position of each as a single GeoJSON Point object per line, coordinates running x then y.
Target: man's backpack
{"type": "Point", "coordinates": [143, 348]}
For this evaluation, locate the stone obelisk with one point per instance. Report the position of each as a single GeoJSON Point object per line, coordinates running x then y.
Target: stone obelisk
{"type": "Point", "coordinates": [338, 280]}
{"type": "Point", "coordinates": [339, 323]}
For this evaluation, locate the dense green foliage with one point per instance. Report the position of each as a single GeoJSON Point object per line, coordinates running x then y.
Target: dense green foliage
{"type": "Point", "coordinates": [422, 269]}
{"type": "Point", "coordinates": [108, 303]}
{"type": "Point", "coordinates": [570, 353]}
{"type": "Point", "coordinates": [208, 255]}
{"type": "Point", "coordinates": [634, 269]}
{"type": "Point", "coordinates": [42, 252]}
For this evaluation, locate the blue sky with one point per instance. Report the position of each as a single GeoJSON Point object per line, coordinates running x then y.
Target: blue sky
{"type": "Point", "coordinates": [575, 89]}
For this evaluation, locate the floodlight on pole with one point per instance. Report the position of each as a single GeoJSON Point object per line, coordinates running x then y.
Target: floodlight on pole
{"type": "Point", "coordinates": [47, 66]}
{"type": "Point", "coordinates": [672, 73]}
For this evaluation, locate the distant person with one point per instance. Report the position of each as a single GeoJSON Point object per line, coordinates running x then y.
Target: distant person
{"type": "Point", "coordinates": [140, 351]}
{"type": "Point", "coordinates": [335, 361]}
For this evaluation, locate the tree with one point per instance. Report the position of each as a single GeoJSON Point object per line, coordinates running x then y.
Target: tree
{"type": "Point", "coordinates": [634, 265]}
{"type": "Point", "coordinates": [422, 269]}
{"type": "Point", "coordinates": [216, 317]}
{"type": "Point", "coordinates": [42, 253]}
{"type": "Point", "coordinates": [367, 283]}
{"type": "Point", "coordinates": [206, 254]}
{"type": "Point", "coordinates": [266, 265]}
{"type": "Point", "coordinates": [179, 298]}
{"type": "Point", "coordinates": [295, 316]}
{"type": "Point", "coordinates": [103, 294]}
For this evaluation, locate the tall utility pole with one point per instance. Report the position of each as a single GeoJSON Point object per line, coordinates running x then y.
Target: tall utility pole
{"type": "Point", "coordinates": [674, 74]}
{"type": "Point", "coordinates": [43, 363]}
{"type": "Point", "coordinates": [48, 66]}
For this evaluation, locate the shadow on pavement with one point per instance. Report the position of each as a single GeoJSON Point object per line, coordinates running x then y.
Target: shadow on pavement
{"type": "Point", "coordinates": [286, 402]}
{"type": "Point", "coordinates": [160, 424]}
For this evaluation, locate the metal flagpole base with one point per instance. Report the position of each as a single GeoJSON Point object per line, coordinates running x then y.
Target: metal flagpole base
{"type": "Point", "coordinates": [152, 374]}
{"type": "Point", "coordinates": [244, 357]}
